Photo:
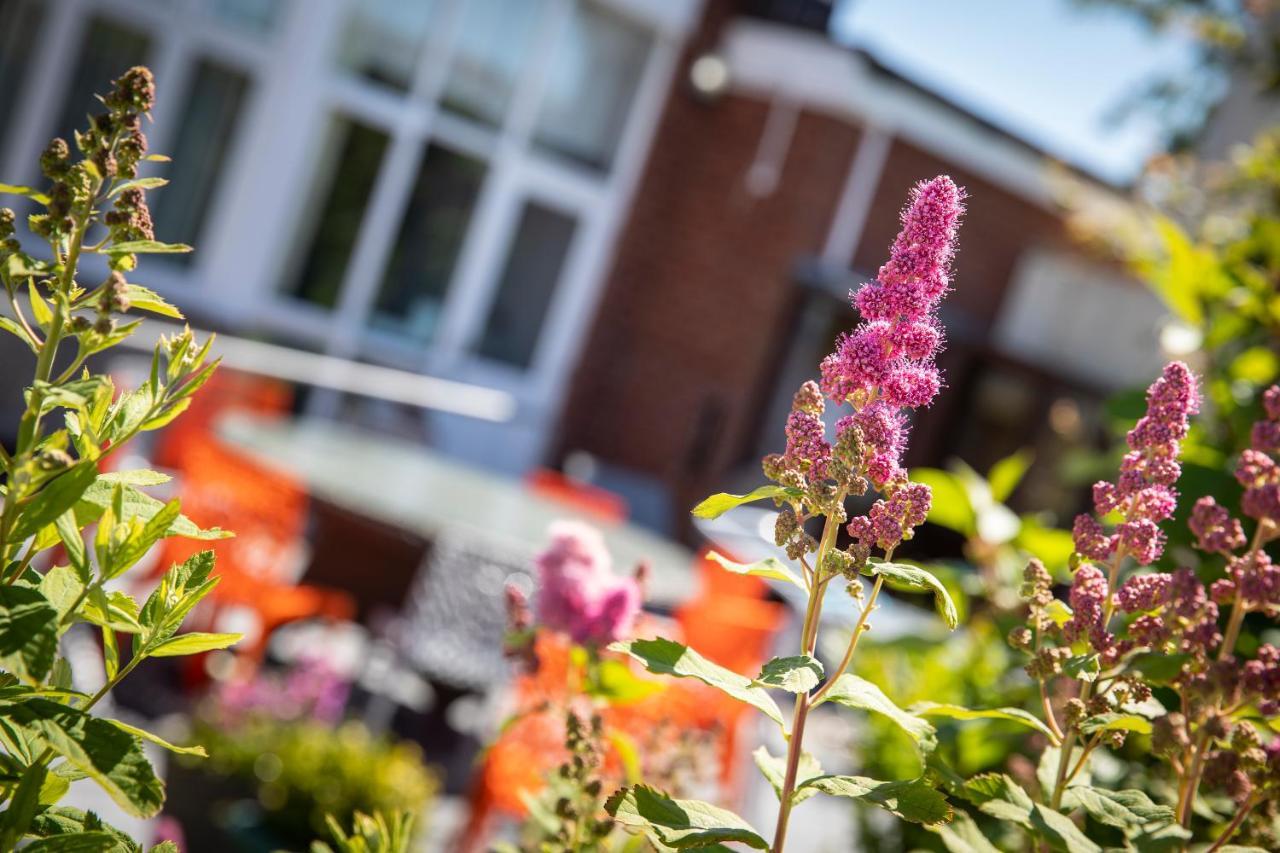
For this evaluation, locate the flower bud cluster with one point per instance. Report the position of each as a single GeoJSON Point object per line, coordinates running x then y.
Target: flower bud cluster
{"type": "Point", "coordinates": [1144, 494]}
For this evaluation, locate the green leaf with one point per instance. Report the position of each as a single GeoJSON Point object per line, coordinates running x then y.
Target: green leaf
{"type": "Point", "coordinates": [774, 770]}
{"type": "Point", "coordinates": [15, 820]}
{"type": "Point", "coordinates": [1051, 546]}
{"type": "Point", "coordinates": [1057, 829]}
{"type": "Point", "coordinates": [797, 674]}
{"type": "Point", "coordinates": [58, 495]}
{"type": "Point", "coordinates": [159, 741]}
{"type": "Point", "coordinates": [17, 331]}
{"type": "Point", "coordinates": [136, 504]}
{"type": "Point", "coordinates": [64, 820]}
{"type": "Point", "coordinates": [30, 192]}
{"type": "Point", "coordinates": [181, 588]}
{"type": "Point", "coordinates": [1159, 668]}
{"type": "Point", "coordinates": [956, 712]}
{"type": "Point", "coordinates": [136, 477]}
{"type": "Point", "coordinates": [62, 588]}
{"type": "Point", "coordinates": [1047, 769]}
{"type": "Point", "coordinates": [73, 544]}
{"type": "Point", "coordinates": [192, 644]}
{"type": "Point", "coordinates": [951, 507]}
{"type": "Point", "coordinates": [854, 692]}
{"type": "Point", "coordinates": [767, 568]}
{"type": "Point", "coordinates": [912, 800]}
{"type": "Point", "coordinates": [999, 796]}
{"type": "Point", "coordinates": [670, 658]}
{"type": "Point", "coordinates": [680, 824]}
{"type": "Point", "coordinates": [28, 632]}
{"type": "Point", "coordinates": [962, 835]}
{"type": "Point", "coordinates": [145, 299]}
{"type": "Point", "coordinates": [146, 247]}
{"type": "Point", "coordinates": [906, 578]}
{"type": "Point", "coordinates": [1006, 474]}
{"type": "Point", "coordinates": [617, 684]}
{"type": "Point", "coordinates": [115, 610]}
{"type": "Point", "coordinates": [717, 505]}
{"type": "Point", "coordinates": [1083, 667]}
{"type": "Point", "coordinates": [1113, 722]}
{"type": "Point", "coordinates": [140, 541]}
{"type": "Point", "coordinates": [112, 758]}
{"type": "Point", "coordinates": [1122, 809]}
{"type": "Point", "coordinates": [1059, 611]}
{"type": "Point", "coordinates": [137, 183]}
{"type": "Point", "coordinates": [83, 842]}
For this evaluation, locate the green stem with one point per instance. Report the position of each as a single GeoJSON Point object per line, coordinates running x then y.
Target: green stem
{"type": "Point", "coordinates": [858, 630]}
{"type": "Point", "coordinates": [1241, 814]}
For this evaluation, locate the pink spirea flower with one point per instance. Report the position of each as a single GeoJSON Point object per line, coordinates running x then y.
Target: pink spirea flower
{"type": "Point", "coordinates": [579, 593]}
{"type": "Point", "coordinates": [1214, 528]}
{"type": "Point", "coordinates": [1144, 493]}
{"type": "Point", "coordinates": [1088, 602]}
{"type": "Point", "coordinates": [1144, 592]}
{"type": "Point", "coordinates": [891, 353]}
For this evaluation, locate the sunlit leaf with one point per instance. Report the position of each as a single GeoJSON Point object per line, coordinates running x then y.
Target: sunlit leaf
{"type": "Point", "coordinates": [956, 712]}
{"type": "Point", "coordinates": [680, 824]}
{"type": "Point", "coordinates": [774, 770]}
{"type": "Point", "coordinates": [769, 567]}
{"type": "Point", "coordinates": [717, 505]}
{"type": "Point", "coordinates": [797, 674]}
{"type": "Point", "coordinates": [905, 578]}
{"type": "Point", "coordinates": [912, 800]}
{"type": "Point", "coordinates": [854, 692]}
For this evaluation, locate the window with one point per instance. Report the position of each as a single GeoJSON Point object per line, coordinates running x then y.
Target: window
{"type": "Point", "coordinates": [108, 50]}
{"type": "Point", "coordinates": [19, 23]}
{"type": "Point", "coordinates": [383, 39]}
{"type": "Point", "coordinates": [527, 285]}
{"type": "Point", "coordinates": [343, 183]}
{"type": "Point", "coordinates": [257, 16]}
{"type": "Point", "coordinates": [199, 149]}
{"type": "Point", "coordinates": [431, 236]}
{"type": "Point", "coordinates": [593, 82]}
{"type": "Point", "coordinates": [492, 49]}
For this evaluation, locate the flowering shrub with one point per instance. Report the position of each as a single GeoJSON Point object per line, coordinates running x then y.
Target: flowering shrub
{"type": "Point", "coordinates": [73, 421]}
{"type": "Point", "coordinates": [881, 370]}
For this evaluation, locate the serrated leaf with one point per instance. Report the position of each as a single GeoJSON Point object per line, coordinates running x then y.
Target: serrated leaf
{"type": "Point", "coordinates": [854, 692]}
{"type": "Point", "coordinates": [145, 299]}
{"type": "Point", "coordinates": [112, 758]}
{"type": "Point", "coordinates": [962, 835]}
{"type": "Point", "coordinates": [192, 644]}
{"type": "Point", "coordinates": [145, 247]}
{"type": "Point", "coordinates": [680, 824]}
{"type": "Point", "coordinates": [28, 632]}
{"type": "Point", "coordinates": [999, 796]}
{"type": "Point", "coordinates": [767, 568]}
{"type": "Point", "coordinates": [666, 657]}
{"type": "Point", "coordinates": [65, 820]}
{"type": "Point", "coordinates": [83, 842]}
{"type": "Point", "coordinates": [1113, 722]}
{"type": "Point", "coordinates": [115, 610]}
{"type": "Point", "coordinates": [797, 674]}
{"type": "Point", "coordinates": [159, 741]}
{"type": "Point", "coordinates": [774, 770]}
{"type": "Point", "coordinates": [717, 505]}
{"type": "Point", "coordinates": [62, 588]}
{"type": "Point", "coordinates": [1058, 830]}
{"type": "Point", "coordinates": [137, 504]}
{"type": "Point", "coordinates": [15, 819]}
{"type": "Point", "coordinates": [906, 578]}
{"type": "Point", "coordinates": [1121, 809]}
{"type": "Point", "coordinates": [956, 712]}
{"type": "Point", "coordinates": [912, 800]}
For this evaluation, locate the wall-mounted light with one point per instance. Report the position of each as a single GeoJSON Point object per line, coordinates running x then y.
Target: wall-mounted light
{"type": "Point", "coordinates": [709, 76]}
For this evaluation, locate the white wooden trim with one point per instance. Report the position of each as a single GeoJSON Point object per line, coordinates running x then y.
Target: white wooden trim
{"type": "Point", "coordinates": [860, 185]}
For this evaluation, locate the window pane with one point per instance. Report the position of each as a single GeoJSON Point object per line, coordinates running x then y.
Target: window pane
{"type": "Point", "coordinates": [344, 182]}
{"type": "Point", "coordinates": [593, 82]}
{"type": "Point", "coordinates": [528, 282]}
{"type": "Point", "coordinates": [430, 239]}
{"type": "Point", "coordinates": [257, 16]}
{"type": "Point", "coordinates": [19, 23]}
{"type": "Point", "coordinates": [208, 119]}
{"type": "Point", "coordinates": [107, 52]}
{"type": "Point", "coordinates": [492, 48]}
{"type": "Point", "coordinates": [383, 39]}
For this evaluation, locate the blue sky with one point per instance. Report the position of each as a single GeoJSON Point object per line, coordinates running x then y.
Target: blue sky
{"type": "Point", "coordinates": [1047, 70]}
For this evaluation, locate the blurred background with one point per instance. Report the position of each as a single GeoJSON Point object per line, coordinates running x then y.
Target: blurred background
{"type": "Point", "coordinates": [480, 264]}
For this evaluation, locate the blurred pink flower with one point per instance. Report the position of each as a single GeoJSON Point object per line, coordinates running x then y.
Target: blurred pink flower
{"type": "Point", "coordinates": [580, 594]}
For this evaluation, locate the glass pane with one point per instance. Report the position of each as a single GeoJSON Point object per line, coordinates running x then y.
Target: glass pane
{"type": "Point", "coordinates": [339, 196]}
{"type": "Point", "coordinates": [257, 16]}
{"type": "Point", "coordinates": [108, 50]}
{"type": "Point", "coordinates": [383, 39]}
{"type": "Point", "coordinates": [208, 120]}
{"type": "Point", "coordinates": [19, 23]}
{"type": "Point", "coordinates": [430, 239]}
{"type": "Point", "coordinates": [527, 285]}
{"type": "Point", "coordinates": [593, 82]}
{"type": "Point", "coordinates": [492, 48]}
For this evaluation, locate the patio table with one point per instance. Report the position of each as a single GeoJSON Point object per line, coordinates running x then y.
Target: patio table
{"type": "Point", "coordinates": [420, 490]}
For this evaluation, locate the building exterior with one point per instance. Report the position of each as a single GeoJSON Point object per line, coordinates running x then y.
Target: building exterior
{"type": "Point", "coordinates": [531, 195]}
